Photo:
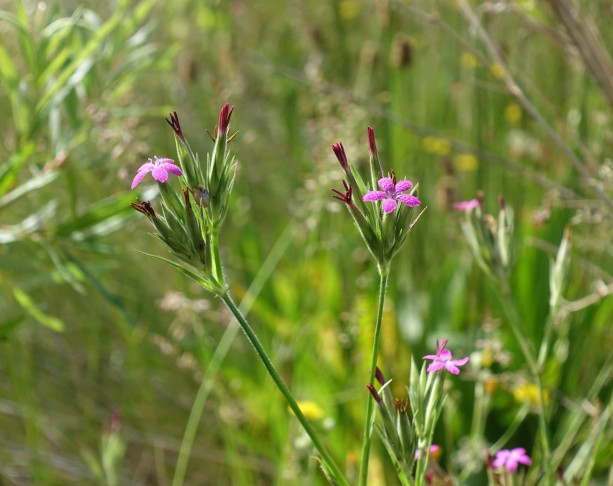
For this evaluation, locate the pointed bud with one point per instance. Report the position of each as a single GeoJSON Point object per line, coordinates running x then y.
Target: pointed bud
{"type": "Point", "coordinates": [339, 151]}
{"type": "Point", "coordinates": [224, 120]}
{"type": "Point", "coordinates": [144, 207]}
{"type": "Point", "coordinates": [375, 394]}
{"type": "Point", "coordinates": [173, 121]}
{"type": "Point", "coordinates": [379, 376]}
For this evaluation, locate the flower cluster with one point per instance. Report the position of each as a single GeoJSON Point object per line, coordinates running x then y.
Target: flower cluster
{"type": "Point", "coordinates": [383, 230]}
{"type": "Point", "coordinates": [489, 238]}
{"type": "Point", "coordinates": [189, 219]}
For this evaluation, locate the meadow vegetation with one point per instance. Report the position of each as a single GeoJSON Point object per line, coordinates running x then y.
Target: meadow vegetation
{"type": "Point", "coordinates": [115, 368]}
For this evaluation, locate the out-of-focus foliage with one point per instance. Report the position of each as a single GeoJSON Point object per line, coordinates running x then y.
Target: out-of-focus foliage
{"type": "Point", "coordinates": [90, 327]}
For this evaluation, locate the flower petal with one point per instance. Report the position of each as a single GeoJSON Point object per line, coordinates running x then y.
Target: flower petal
{"type": "Point", "coordinates": [172, 168]}
{"type": "Point", "coordinates": [374, 196]}
{"type": "Point", "coordinates": [449, 366]}
{"type": "Point", "coordinates": [435, 366]}
{"type": "Point", "coordinates": [160, 174]}
{"type": "Point", "coordinates": [460, 362]}
{"type": "Point", "coordinates": [138, 178]}
{"type": "Point", "coordinates": [147, 167]}
{"type": "Point", "coordinates": [403, 185]}
{"type": "Point", "coordinates": [386, 184]}
{"type": "Point", "coordinates": [389, 205]}
{"type": "Point", "coordinates": [408, 200]}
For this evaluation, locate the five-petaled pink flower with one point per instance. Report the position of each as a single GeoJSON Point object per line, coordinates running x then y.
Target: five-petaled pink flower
{"type": "Point", "coordinates": [159, 169]}
{"type": "Point", "coordinates": [442, 360]}
{"type": "Point", "coordinates": [390, 193]}
{"type": "Point", "coordinates": [511, 459]}
{"type": "Point", "coordinates": [466, 206]}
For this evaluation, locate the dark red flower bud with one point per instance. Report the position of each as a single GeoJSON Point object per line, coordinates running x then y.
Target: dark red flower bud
{"type": "Point", "coordinates": [339, 151]}
{"type": "Point", "coordinates": [173, 121]}
{"type": "Point", "coordinates": [224, 119]}
{"type": "Point", "coordinates": [346, 196]}
{"type": "Point", "coordinates": [375, 394]}
{"type": "Point", "coordinates": [144, 207]}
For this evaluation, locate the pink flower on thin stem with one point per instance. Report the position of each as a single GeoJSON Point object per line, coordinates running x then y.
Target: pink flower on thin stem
{"type": "Point", "coordinates": [391, 193]}
{"type": "Point", "coordinates": [442, 360]}
{"type": "Point", "coordinates": [466, 206]}
{"type": "Point", "coordinates": [159, 169]}
{"type": "Point", "coordinates": [511, 459]}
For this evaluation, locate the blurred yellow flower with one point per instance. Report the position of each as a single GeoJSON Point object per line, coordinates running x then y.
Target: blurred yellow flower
{"type": "Point", "coordinates": [435, 145]}
{"type": "Point", "coordinates": [497, 71]}
{"type": "Point", "coordinates": [529, 393]}
{"type": "Point", "coordinates": [487, 358]}
{"type": "Point", "coordinates": [513, 113]}
{"type": "Point", "coordinates": [490, 385]}
{"type": "Point", "coordinates": [466, 163]}
{"type": "Point", "coordinates": [468, 60]}
{"type": "Point", "coordinates": [349, 9]}
{"type": "Point", "coordinates": [310, 409]}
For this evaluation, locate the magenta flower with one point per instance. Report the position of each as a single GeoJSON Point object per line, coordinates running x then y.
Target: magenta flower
{"type": "Point", "coordinates": [391, 193]}
{"type": "Point", "coordinates": [159, 169]}
{"type": "Point", "coordinates": [511, 459]}
{"type": "Point", "coordinates": [466, 206]}
{"type": "Point", "coordinates": [442, 360]}
{"type": "Point", "coordinates": [435, 452]}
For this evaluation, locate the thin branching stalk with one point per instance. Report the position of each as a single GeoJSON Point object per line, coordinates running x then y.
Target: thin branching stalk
{"type": "Point", "coordinates": [327, 459]}
{"type": "Point", "coordinates": [206, 385]}
{"type": "Point", "coordinates": [514, 321]}
{"type": "Point", "coordinates": [515, 90]}
{"type": "Point", "coordinates": [370, 407]}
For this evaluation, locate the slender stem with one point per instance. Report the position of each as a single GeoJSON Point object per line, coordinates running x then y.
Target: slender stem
{"type": "Point", "coordinates": [192, 426]}
{"type": "Point", "coordinates": [370, 407]}
{"type": "Point", "coordinates": [327, 459]}
{"type": "Point", "coordinates": [206, 385]}
{"type": "Point", "coordinates": [216, 263]}
{"type": "Point", "coordinates": [514, 321]}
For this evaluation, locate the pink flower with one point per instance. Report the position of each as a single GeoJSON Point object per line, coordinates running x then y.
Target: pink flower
{"type": "Point", "coordinates": [435, 452]}
{"type": "Point", "coordinates": [466, 206]}
{"type": "Point", "coordinates": [391, 193]}
{"type": "Point", "coordinates": [159, 169]}
{"type": "Point", "coordinates": [511, 459]}
{"type": "Point", "coordinates": [442, 360]}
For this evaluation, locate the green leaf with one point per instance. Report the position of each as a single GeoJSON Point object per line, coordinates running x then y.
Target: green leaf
{"type": "Point", "coordinates": [27, 304]}
{"type": "Point", "coordinates": [10, 325]}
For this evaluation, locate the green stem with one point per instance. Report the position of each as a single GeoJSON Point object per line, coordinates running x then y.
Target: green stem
{"type": "Point", "coordinates": [514, 321]}
{"type": "Point", "coordinates": [206, 385]}
{"type": "Point", "coordinates": [216, 270]}
{"type": "Point", "coordinates": [370, 407]}
{"type": "Point", "coordinates": [327, 459]}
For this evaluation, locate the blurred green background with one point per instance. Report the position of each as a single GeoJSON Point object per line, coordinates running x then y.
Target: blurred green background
{"type": "Point", "coordinates": [102, 343]}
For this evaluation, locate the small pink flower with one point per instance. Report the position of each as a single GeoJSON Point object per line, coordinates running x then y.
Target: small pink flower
{"type": "Point", "coordinates": [466, 206]}
{"type": "Point", "coordinates": [511, 459]}
{"type": "Point", "coordinates": [442, 360]}
{"type": "Point", "coordinates": [435, 452]}
{"type": "Point", "coordinates": [391, 193]}
{"type": "Point", "coordinates": [159, 169]}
